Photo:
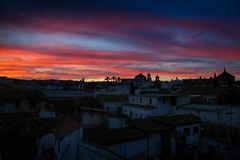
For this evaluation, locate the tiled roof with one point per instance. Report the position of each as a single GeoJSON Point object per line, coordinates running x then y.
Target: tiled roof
{"type": "Point", "coordinates": [65, 128]}
{"type": "Point", "coordinates": [147, 125]}
{"type": "Point", "coordinates": [177, 120]}
{"type": "Point", "coordinates": [113, 136]}
{"type": "Point", "coordinates": [14, 93]}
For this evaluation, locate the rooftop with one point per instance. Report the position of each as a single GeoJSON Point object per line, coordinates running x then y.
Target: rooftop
{"type": "Point", "coordinates": [14, 92]}
{"type": "Point", "coordinates": [140, 76]}
{"type": "Point", "coordinates": [158, 95]}
{"type": "Point", "coordinates": [120, 97]}
{"type": "Point", "coordinates": [177, 120]}
{"type": "Point", "coordinates": [113, 136]}
{"type": "Point", "coordinates": [65, 128]}
{"type": "Point", "coordinates": [221, 132]}
{"type": "Point", "coordinates": [147, 125]}
{"type": "Point", "coordinates": [204, 107]}
{"type": "Point", "coordinates": [225, 74]}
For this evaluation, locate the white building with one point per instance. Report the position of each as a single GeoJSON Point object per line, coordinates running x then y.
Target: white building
{"type": "Point", "coordinates": [142, 106]}
{"type": "Point", "coordinates": [62, 143]}
{"type": "Point", "coordinates": [185, 132]}
{"type": "Point", "coordinates": [155, 132]}
{"type": "Point", "coordinates": [92, 117]}
{"type": "Point", "coordinates": [126, 142]}
{"type": "Point", "coordinates": [117, 121]}
{"type": "Point", "coordinates": [213, 113]}
{"type": "Point", "coordinates": [186, 124]}
{"type": "Point", "coordinates": [113, 103]}
{"type": "Point", "coordinates": [20, 100]}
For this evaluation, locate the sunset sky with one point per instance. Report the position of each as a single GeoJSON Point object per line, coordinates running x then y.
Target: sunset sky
{"type": "Point", "coordinates": [72, 39]}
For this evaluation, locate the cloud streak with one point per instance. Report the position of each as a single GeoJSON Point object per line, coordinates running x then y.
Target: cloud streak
{"type": "Point", "coordinates": [84, 44]}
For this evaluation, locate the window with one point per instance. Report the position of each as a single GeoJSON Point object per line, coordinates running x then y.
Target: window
{"type": "Point", "coordinates": [92, 115]}
{"type": "Point", "coordinates": [132, 99]}
{"type": "Point", "coordinates": [163, 100]}
{"type": "Point", "coordinates": [141, 100]}
{"type": "Point", "coordinates": [195, 130]}
{"type": "Point", "coordinates": [150, 101]}
{"type": "Point", "coordinates": [33, 104]}
{"type": "Point", "coordinates": [186, 131]}
{"type": "Point", "coordinates": [130, 114]}
{"type": "Point", "coordinates": [17, 103]}
{"type": "Point", "coordinates": [2, 108]}
{"type": "Point", "coordinates": [59, 145]}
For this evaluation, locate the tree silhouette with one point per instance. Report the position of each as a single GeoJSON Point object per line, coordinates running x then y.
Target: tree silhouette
{"type": "Point", "coordinates": [114, 78]}
{"type": "Point", "coordinates": [118, 79]}
{"type": "Point", "coordinates": [107, 79]}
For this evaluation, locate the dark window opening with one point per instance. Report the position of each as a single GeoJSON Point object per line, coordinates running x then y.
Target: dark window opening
{"type": "Point", "coordinates": [2, 107]}
{"type": "Point", "coordinates": [150, 101]}
{"type": "Point", "coordinates": [17, 104]}
{"type": "Point", "coordinates": [58, 146]}
{"type": "Point", "coordinates": [163, 100]}
{"type": "Point", "coordinates": [140, 100]}
{"type": "Point", "coordinates": [195, 130]}
{"type": "Point", "coordinates": [33, 104]}
{"type": "Point", "coordinates": [133, 99]}
{"type": "Point", "coordinates": [186, 131]}
{"type": "Point", "coordinates": [173, 100]}
{"type": "Point", "coordinates": [131, 114]}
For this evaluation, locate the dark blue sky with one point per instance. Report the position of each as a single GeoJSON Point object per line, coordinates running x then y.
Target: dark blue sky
{"type": "Point", "coordinates": [172, 8]}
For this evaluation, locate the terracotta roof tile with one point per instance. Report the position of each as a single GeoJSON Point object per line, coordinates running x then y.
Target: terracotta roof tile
{"type": "Point", "coordinates": [65, 128]}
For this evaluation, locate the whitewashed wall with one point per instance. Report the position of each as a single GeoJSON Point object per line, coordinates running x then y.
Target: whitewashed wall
{"type": "Point", "coordinates": [191, 138]}
{"type": "Point", "coordinates": [69, 145]}
{"type": "Point", "coordinates": [136, 147]}
{"type": "Point", "coordinates": [89, 118]}
{"type": "Point", "coordinates": [137, 112]}
{"type": "Point", "coordinates": [112, 107]}
{"type": "Point", "coordinates": [145, 100]}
